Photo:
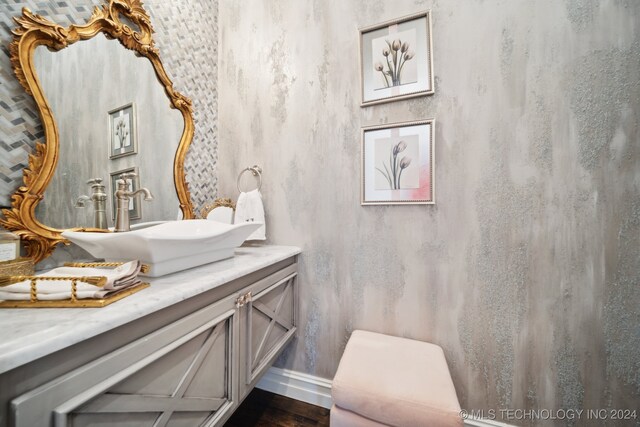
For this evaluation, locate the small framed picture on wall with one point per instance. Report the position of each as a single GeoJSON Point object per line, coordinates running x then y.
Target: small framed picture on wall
{"type": "Point", "coordinates": [122, 131]}
{"type": "Point", "coordinates": [397, 164]}
{"type": "Point", "coordinates": [396, 59]}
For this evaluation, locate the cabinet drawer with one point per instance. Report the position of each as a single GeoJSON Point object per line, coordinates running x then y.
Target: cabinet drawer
{"type": "Point", "coordinates": [271, 319]}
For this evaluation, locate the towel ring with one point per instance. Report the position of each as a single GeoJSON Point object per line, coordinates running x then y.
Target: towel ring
{"type": "Point", "coordinates": [255, 171]}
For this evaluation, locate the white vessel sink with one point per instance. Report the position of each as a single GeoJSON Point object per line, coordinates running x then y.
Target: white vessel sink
{"type": "Point", "coordinates": [169, 246]}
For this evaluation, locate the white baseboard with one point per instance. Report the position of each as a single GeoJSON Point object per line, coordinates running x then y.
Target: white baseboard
{"type": "Point", "coordinates": [317, 391]}
{"type": "Point", "coordinates": [296, 385]}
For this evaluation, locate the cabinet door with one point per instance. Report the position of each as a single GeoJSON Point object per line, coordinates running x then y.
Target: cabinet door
{"type": "Point", "coordinates": [180, 375]}
{"type": "Point", "coordinates": [271, 319]}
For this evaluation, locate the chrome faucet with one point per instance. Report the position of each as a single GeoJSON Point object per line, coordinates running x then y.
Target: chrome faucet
{"type": "Point", "coordinates": [123, 195]}
{"type": "Point", "coordinates": [99, 199]}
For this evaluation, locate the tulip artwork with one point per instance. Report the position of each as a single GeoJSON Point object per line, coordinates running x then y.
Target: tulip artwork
{"type": "Point", "coordinates": [393, 172]}
{"type": "Point", "coordinates": [122, 129]}
{"type": "Point", "coordinates": [122, 132]}
{"type": "Point", "coordinates": [397, 163]}
{"type": "Point", "coordinates": [395, 59]}
{"type": "Point", "coordinates": [396, 55]}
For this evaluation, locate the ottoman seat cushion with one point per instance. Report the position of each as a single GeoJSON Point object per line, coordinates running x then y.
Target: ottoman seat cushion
{"type": "Point", "coordinates": [395, 381]}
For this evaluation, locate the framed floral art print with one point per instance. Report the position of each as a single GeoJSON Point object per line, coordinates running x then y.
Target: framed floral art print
{"type": "Point", "coordinates": [395, 59]}
{"type": "Point", "coordinates": [122, 131]}
{"type": "Point", "coordinates": [397, 164]}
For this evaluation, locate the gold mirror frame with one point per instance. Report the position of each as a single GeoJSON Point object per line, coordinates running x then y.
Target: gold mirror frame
{"type": "Point", "coordinates": [217, 203]}
{"type": "Point", "coordinates": [33, 30]}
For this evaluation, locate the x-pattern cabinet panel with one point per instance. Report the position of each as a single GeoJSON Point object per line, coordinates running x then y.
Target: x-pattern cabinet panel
{"type": "Point", "coordinates": [182, 371]}
{"type": "Point", "coordinates": [271, 318]}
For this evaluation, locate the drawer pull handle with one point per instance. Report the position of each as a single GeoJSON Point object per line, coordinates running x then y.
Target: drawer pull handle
{"type": "Point", "coordinates": [243, 299]}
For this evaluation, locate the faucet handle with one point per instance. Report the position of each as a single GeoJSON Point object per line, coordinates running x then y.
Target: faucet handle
{"type": "Point", "coordinates": [128, 175]}
{"type": "Point", "coordinates": [94, 181]}
{"type": "Point", "coordinates": [122, 181]}
{"type": "Point", "coordinates": [97, 186]}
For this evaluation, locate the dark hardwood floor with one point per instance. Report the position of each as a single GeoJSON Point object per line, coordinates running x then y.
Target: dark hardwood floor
{"type": "Point", "coordinates": [264, 409]}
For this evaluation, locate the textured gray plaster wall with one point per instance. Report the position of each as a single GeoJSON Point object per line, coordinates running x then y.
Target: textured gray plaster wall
{"type": "Point", "coordinates": [186, 34]}
{"type": "Point", "coordinates": [526, 270]}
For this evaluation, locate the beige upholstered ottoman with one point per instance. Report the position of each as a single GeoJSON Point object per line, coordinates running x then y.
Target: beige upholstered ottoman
{"type": "Point", "coordinates": [390, 381]}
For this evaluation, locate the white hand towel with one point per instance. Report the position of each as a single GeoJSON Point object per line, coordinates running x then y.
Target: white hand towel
{"type": "Point", "coordinates": [118, 278]}
{"type": "Point", "coordinates": [249, 208]}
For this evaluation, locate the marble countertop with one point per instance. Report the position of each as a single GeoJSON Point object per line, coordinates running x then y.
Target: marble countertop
{"type": "Point", "coordinates": [29, 334]}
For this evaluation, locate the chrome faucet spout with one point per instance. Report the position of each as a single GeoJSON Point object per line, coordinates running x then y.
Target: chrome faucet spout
{"type": "Point", "coordinates": [81, 202]}
{"type": "Point", "coordinates": [147, 194]}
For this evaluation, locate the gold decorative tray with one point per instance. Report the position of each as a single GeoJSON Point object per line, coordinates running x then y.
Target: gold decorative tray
{"type": "Point", "coordinates": [143, 269]}
{"type": "Point", "coordinates": [72, 302]}
{"type": "Point", "coordinates": [19, 266]}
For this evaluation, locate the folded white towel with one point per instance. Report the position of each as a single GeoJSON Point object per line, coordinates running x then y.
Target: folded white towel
{"type": "Point", "coordinates": [118, 278]}
{"type": "Point", "coordinates": [249, 208]}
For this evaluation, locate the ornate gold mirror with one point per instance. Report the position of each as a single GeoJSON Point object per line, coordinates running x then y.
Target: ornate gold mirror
{"type": "Point", "coordinates": [104, 109]}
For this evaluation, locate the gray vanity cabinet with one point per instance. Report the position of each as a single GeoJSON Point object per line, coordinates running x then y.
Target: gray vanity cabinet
{"type": "Point", "coordinates": [193, 371]}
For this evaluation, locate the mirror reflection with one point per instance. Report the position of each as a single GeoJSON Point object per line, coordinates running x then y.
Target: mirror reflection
{"type": "Point", "coordinates": [113, 116]}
